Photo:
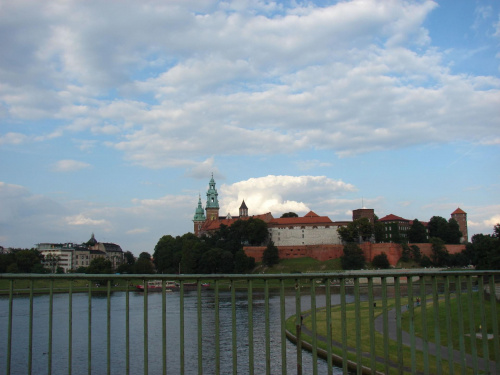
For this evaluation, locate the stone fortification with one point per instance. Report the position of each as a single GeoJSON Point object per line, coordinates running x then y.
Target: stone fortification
{"type": "Point", "coordinates": [327, 252]}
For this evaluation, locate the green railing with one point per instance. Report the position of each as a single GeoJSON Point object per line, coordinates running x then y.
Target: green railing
{"type": "Point", "coordinates": [361, 322]}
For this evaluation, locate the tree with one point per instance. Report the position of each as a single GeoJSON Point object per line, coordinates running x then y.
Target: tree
{"type": "Point", "coordinates": [242, 262]}
{"type": "Point", "coordinates": [353, 258]}
{"type": "Point", "coordinates": [52, 261]}
{"type": "Point", "coordinates": [144, 265]}
{"type": "Point", "coordinates": [348, 234]}
{"type": "Point", "coordinates": [438, 227]}
{"type": "Point", "coordinates": [128, 264]}
{"type": "Point", "coordinates": [381, 261]}
{"type": "Point", "coordinates": [453, 234]}
{"type": "Point", "coordinates": [417, 232]}
{"type": "Point", "coordinates": [496, 231]}
{"type": "Point", "coordinates": [439, 255]}
{"type": "Point", "coordinates": [356, 230]}
{"type": "Point", "coordinates": [289, 214]}
{"type": "Point", "coordinates": [365, 228]}
{"type": "Point", "coordinates": [416, 254]}
{"type": "Point", "coordinates": [27, 259]}
{"type": "Point", "coordinates": [378, 230]}
{"type": "Point", "coordinates": [425, 261]}
{"type": "Point", "coordinates": [271, 255]}
{"type": "Point", "coordinates": [99, 265]}
{"type": "Point", "coordinates": [405, 253]}
{"type": "Point", "coordinates": [484, 251]}
{"type": "Point", "coordinates": [164, 254]}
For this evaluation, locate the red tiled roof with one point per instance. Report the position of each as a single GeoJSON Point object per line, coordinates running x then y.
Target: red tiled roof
{"type": "Point", "coordinates": [392, 217]}
{"type": "Point", "coordinates": [306, 220]}
{"type": "Point", "coordinates": [311, 214]}
{"type": "Point", "coordinates": [424, 223]}
{"type": "Point", "coordinates": [211, 225]}
{"type": "Point", "coordinates": [458, 211]}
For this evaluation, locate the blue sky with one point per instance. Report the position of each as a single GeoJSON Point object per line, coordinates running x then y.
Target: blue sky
{"type": "Point", "coordinates": [113, 115]}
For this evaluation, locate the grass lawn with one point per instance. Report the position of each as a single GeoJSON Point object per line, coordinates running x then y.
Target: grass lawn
{"type": "Point", "coordinates": [454, 322]}
{"type": "Point", "coordinates": [364, 320]}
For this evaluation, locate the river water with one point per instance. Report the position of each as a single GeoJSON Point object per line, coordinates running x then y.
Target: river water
{"type": "Point", "coordinates": [19, 364]}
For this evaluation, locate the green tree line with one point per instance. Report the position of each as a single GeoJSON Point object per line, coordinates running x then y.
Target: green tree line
{"type": "Point", "coordinates": [222, 252]}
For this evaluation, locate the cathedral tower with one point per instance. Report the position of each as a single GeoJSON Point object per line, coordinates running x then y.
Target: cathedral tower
{"type": "Point", "coordinates": [199, 218]}
{"type": "Point", "coordinates": [243, 210]}
{"type": "Point", "coordinates": [212, 207]}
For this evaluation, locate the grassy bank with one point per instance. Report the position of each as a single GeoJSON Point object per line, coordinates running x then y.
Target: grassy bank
{"type": "Point", "coordinates": [364, 321]}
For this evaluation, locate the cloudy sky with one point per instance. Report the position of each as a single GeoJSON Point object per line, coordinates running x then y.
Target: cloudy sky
{"type": "Point", "coordinates": [114, 114]}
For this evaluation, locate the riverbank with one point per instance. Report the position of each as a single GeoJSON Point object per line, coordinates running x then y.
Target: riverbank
{"type": "Point", "coordinates": [391, 363]}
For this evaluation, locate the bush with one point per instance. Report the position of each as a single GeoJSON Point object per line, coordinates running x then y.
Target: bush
{"type": "Point", "coordinates": [271, 255]}
{"type": "Point", "coordinates": [353, 258]}
{"type": "Point", "coordinates": [381, 261]}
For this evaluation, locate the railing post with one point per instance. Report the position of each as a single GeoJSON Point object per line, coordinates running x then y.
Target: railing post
{"type": "Point", "coordinates": [343, 324]}
{"type": "Point", "coordinates": [51, 315]}
{"type": "Point", "coordinates": [399, 334]}
{"type": "Point", "coordinates": [108, 326]}
{"type": "Point", "coordinates": [127, 328]}
{"type": "Point", "coordinates": [146, 330]}
{"type": "Point", "coordinates": [437, 334]}
{"type": "Point", "coordinates": [200, 330]}
{"type": "Point", "coordinates": [385, 317]}
{"type": "Point", "coordinates": [328, 301]}
{"type": "Point", "coordinates": [217, 328]}
{"type": "Point", "coordinates": [283, 327]}
{"type": "Point", "coordinates": [250, 328]}
{"type": "Point", "coordinates": [371, 324]}
{"type": "Point", "coordinates": [30, 339]}
{"type": "Point", "coordinates": [298, 325]}
{"type": "Point", "coordinates": [233, 326]}
{"type": "Point", "coordinates": [494, 321]}
{"type": "Point", "coordinates": [266, 324]}
{"type": "Point", "coordinates": [9, 328]}
{"type": "Point", "coordinates": [181, 328]}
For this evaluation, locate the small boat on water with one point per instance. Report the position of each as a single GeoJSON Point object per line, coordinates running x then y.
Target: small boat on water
{"type": "Point", "coordinates": [156, 286]}
{"type": "Point", "coordinates": [170, 286]}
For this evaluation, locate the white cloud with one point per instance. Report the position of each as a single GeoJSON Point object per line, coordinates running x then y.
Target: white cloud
{"type": "Point", "coordinates": [279, 194]}
{"type": "Point", "coordinates": [69, 166]}
{"type": "Point", "coordinates": [352, 77]}
{"type": "Point", "coordinates": [81, 219]}
{"type": "Point", "coordinates": [13, 139]}
{"type": "Point", "coordinates": [138, 231]}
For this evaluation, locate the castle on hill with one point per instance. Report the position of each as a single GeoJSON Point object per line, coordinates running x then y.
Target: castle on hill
{"type": "Point", "coordinates": [297, 236]}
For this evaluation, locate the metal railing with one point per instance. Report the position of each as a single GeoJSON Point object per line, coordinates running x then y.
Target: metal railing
{"type": "Point", "coordinates": [397, 322]}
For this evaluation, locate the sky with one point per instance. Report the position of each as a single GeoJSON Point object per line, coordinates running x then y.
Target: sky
{"type": "Point", "coordinates": [115, 114]}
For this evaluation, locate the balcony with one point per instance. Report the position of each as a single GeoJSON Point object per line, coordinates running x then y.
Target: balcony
{"type": "Point", "coordinates": [393, 322]}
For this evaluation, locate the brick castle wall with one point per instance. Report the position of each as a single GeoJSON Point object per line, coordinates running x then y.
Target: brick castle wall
{"type": "Point", "coordinates": [327, 252]}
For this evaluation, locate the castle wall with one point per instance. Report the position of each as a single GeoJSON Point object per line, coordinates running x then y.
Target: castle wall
{"type": "Point", "coordinates": [304, 235]}
{"type": "Point", "coordinates": [327, 252]}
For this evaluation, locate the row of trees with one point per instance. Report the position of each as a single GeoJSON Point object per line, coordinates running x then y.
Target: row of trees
{"type": "Point", "coordinates": [363, 230]}
{"type": "Point", "coordinates": [483, 251]}
{"type": "Point", "coordinates": [32, 261]}
{"type": "Point", "coordinates": [220, 253]}
{"type": "Point", "coordinates": [22, 261]}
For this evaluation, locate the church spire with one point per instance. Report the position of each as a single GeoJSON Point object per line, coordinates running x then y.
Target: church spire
{"type": "Point", "coordinates": [199, 218]}
{"type": "Point", "coordinates": [199, 214]}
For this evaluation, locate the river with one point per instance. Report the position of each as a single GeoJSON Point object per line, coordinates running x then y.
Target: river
{"type": "Point", "coordinates": [118, 306]}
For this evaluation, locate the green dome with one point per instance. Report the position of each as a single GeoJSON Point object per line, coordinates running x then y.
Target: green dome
{"type": "Point", "coordinates": [199, 214]}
